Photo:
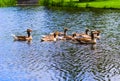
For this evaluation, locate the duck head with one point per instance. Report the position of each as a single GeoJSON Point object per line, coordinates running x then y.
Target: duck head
{"type": "Point", "coordinates": [65, 30]}
{"type": "Point", "coordinates": [56, 33]}
{"type": "Point", "coordinates": [28, 32]}
{"type": "Point", "coordinates": [74, 34]}
{"type": "Point", "coordinates": [92, 34]}
{"type": "Point", "coordinates": [97, 34]}
{"type": "Point", "coordinates": [87, 31]}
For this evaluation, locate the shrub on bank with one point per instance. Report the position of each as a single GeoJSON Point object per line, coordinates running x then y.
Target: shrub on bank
{"type": "Point", "coordinates": [7, 3]}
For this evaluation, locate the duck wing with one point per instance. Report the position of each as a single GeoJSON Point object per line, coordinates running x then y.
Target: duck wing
{"type": "Point", "coordinates": [48, 38]}
{"type": "Point", "coordinates": [84, 40]}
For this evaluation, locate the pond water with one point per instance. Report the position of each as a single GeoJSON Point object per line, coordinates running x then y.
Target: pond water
{"type": "Point", "coordinates": [60, 60]}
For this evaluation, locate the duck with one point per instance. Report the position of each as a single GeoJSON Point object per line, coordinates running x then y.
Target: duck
{"type": "Point", "coordinates": [50, 37]}
{"type": "Point", "coordinates": [86, 34]}
{"type": "Point", "coordinates": [60, 34]}
{"type": "Point", "coordinates": [23, 38]}
{"type": "Point", "coordinates": [84, 40]}
{"type": "Point", "coordinates": [64, 33]}
{"type": "Point", "coordinates": [68, 37]}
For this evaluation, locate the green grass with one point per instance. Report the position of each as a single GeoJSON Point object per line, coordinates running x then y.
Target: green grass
{"type": "Point", "coordinates": [101, 4]}
{"type": "Point", "coordinates": [4, 3]}
{"type": "Point", "coordinates": [93, 4]}
{"type": "Point", "coordinates": [70, 3]}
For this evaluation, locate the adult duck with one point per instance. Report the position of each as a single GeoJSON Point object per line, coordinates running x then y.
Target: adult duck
{"type": "Point", "coordinates": [24, 38]}
{"type": "Point", "coordinates": [86, 34]}
{"type": "Point", "coordinates": [84, 40]}
{"type": "Point", "coordinates": [60, 34]}
{"type": "Point", "coordinates": [64, 33]}
{"type": "Point", "coordinates": [67, 37]}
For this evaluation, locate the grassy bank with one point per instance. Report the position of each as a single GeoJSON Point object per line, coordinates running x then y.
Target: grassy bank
{"type": "Point", "coordinates": [70, 3]}
{"type": "Point", "coordinates": [101, 4]}
{"type": "Point", "coordinates": [4, 3]}
{"type": "Point", "coordinates": [77, 3]}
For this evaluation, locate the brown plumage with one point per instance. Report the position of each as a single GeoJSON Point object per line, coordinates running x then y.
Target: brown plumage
{"type": "Point", "coordinates": [84, 40]}
{"type": "Point", "coordinates": [50, 37]}
{"type": "Point", "coordinates": [63, 33]}
{"type": "Point", "coordinates": [23, 38]}
{"type": "Point", "coordinates": [69, 37]}
{"type": "Point", "coordinates": [86, 34]}
{"type": "Point", "coordinates": [97, 34]}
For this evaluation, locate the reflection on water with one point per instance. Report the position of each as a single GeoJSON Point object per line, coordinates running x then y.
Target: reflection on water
{"type": "Point", "coordinates": [61, 60]}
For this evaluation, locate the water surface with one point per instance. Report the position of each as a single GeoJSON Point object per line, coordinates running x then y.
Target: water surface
{"type": "Point", "coordinates": [60, 60]}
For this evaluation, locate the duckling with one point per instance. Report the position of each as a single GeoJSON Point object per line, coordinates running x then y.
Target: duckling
{"type": "Point", "coordinates": [50, 37]}
{"type": "Point", "coordinates": [91, 40]}
{"type": "Point", "coordinates": [23, 38]}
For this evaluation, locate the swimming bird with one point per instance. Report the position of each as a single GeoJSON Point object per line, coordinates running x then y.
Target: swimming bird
{"type": "Point", "coordinates": [64, 33]}
{"type": "Point", "coordinates": [60, 34]}
{"type": "Point", "coordinates": [67, 37]}
{"type": "Point", "coordinates": [86, 34]}
{"type": "Point", "coordinates": [84, 40]}
{"type": "Point", "coordinates": [50, 37]}
{"type": "Point", "coordinates": [23, 38]}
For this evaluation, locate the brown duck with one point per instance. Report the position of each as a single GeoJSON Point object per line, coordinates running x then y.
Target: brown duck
{"type": "Point", "coordinates": [24, 38]}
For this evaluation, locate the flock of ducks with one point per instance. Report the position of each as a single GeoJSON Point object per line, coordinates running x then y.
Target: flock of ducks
{"type": "Point", "coordinates": [88, 37]}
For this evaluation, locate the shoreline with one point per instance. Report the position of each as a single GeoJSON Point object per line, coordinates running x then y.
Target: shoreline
{"type": "Point", "coordinates": [110, 4]}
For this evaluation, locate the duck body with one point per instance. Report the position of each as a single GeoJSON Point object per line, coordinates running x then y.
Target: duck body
{"type": "Point", "coordinates": [85, 41]}
{"type": "Point", "coordinates": [22, 38]}
{"type": "Point", "coordinates": [70, 37]}
{"type": "Point", "coordinates": [83, 35]}
{"type": "Point", "coordinates": [50, 37]}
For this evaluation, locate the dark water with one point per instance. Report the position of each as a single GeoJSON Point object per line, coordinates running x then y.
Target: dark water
{"type": "Point", "coordinates": [61, 60]}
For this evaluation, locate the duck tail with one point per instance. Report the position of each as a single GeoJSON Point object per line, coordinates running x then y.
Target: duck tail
{"type": "Point", "coordinates": [14, 36]}
{"type": "Point", "coordinates": [43, 36]}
